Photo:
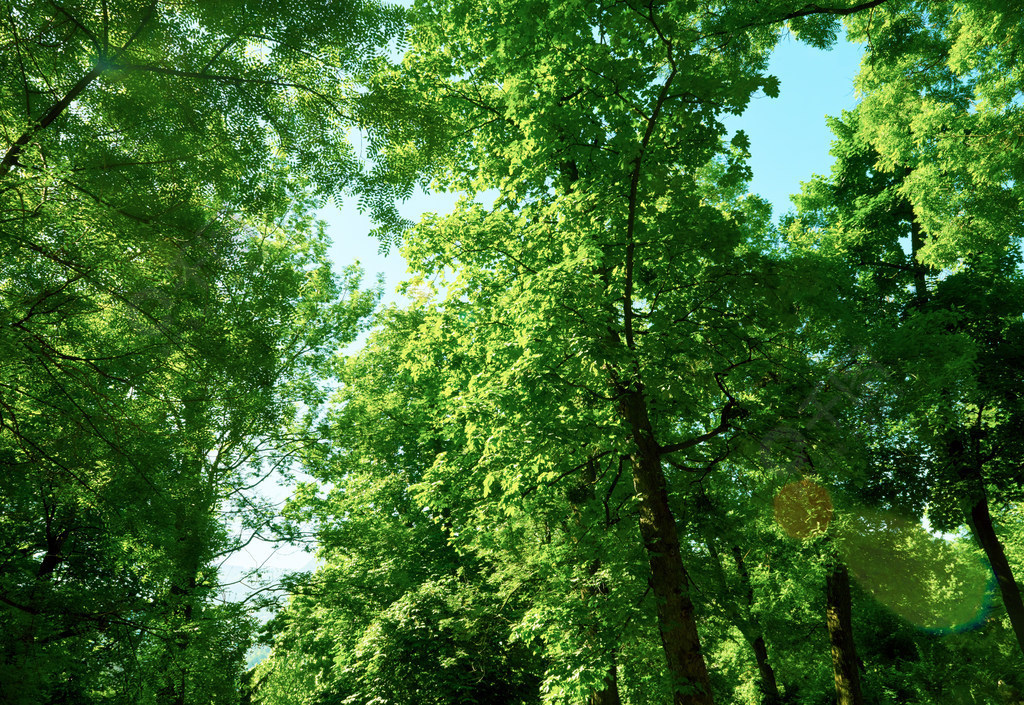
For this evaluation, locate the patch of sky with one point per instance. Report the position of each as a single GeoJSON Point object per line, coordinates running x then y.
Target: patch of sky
{"type": "Point", "coordinates": [789, 139]}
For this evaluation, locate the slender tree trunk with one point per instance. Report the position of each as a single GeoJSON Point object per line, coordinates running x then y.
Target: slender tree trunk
{"type": "Point", "coordinates": [966, 456]}
{"type": "Point", "coordinates": [744, 620]}
{"type": "Point", "coordinates": [54, 556]}
{"type": "Point", "coordinates": [769, 686]}
{"type": "Point", "coordinates": [838, 616]}
{"type": "Point", "coordinates": [669, 580]}
{"type": "Point", "coordinates": [977, 509]}
{"type": "Point", "coordinates": [905, 210]}
{"type": "Point", "coordinates": [174, 692]}
{"type": "Point", "coordinates": [985, 535]}
{"type": "Point", "coordinates": [609, 695]}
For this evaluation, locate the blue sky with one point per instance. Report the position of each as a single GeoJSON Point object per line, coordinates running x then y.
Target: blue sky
{"type": "Point", "coordinates": [788, 135]}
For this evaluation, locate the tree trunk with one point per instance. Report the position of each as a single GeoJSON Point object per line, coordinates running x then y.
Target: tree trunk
{"type": "Point", "coordinates": [838, 616]}
{"type": "Point", "coordinates": [744, 620]}
{"type": "Point", "coordinates": [985, 535]}
{"type": "Point", "coordinates": [669, 580]}
{"type": "Point", "coordinates": [977, 511]}
{"type": "Point", "coordinates": [609, 695]}
{"type": "Point", "coordinates": [966, 458]}
{"type": "Point", "coordinates": [768, 685]}
{"type": "Point", "coordinates": [174, 692]}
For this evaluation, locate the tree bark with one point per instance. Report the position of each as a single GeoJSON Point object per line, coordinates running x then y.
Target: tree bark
{"type": "Point", "coordinates": [609, 694]}
{"type": "Point", "coordinates": [839, 618]}
{"type": "Point", "coordinates": [768, 685]}
{"type": "Point", "coordinates": [188, 526]}
{"type": "Point", "coordinates": [976, 510]}
{"type": "Point", "coordinates": [669, 580]}
{"type": "Point", "coordinates": [985, 535]}
{"type": "Point", "coordinates": [966, 456]}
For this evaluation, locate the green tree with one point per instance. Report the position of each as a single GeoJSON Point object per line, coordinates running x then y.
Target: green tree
{"type": "Point", "coordinates": [113, 521]}
{"type": "Point", "coordinates": [396, 611]}
{"type": "Point", "coordinates": [166, 303]}
{"type": "Point", "coordinates": [621, 305]}
{"type": "Point", "coordinates": [916, 176]}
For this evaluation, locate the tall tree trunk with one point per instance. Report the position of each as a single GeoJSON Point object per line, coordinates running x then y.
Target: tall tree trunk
{"type": "Point", "coordinates": [769, 686]}
{"type": "Point", "coordinates": [609, 694]}
{"type": "Point", "coordinates": [985, 535]}
{"type": "Point", "coordinates": [838, 616]}
{"type": "Point", "coordinates": [966, 456]}
{"type": "Point", "coordinates": [181, 596]}
{"type": "Point", "coordinates": [976, 510]}
{"type": "Point", "coordinates": [669, 580]}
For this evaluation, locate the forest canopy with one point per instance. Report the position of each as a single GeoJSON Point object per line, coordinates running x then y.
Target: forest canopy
{"type": "Point", "coordinates": [629, 439]}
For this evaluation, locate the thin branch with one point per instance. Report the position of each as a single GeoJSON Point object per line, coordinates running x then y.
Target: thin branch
{"type": "Point", "coordinates": [812, 9]}
{"type": "Point", "coordinates": [806, 11]}
{"type": "Point", "coordinates": [11, 157]}
{"type": "Point", "coordinates": [234, 80]}
{"type": "Point", "coordinates": [728, 413]}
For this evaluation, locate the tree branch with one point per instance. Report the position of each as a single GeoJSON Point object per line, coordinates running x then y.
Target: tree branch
{"type": "Point", "coordinates": [730, 411]}
{"type": "Point", "coordinates": [11, 157]}
{"type": "Point", "coordinates": [812, 9]}
{"type": "Point", "coordinates": [235, 80]}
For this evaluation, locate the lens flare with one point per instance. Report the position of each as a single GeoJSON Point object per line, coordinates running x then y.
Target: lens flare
{"type": "Point", "coordinates": [935, 584]}
{"type": "Point", "coordinates": [938, 585]}
{"type": "Point", "coordinates": [803, 509]}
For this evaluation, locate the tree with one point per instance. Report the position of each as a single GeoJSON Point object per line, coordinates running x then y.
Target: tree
{"type": "Point", "coordinates": [166, 305]}
{"type": "Point", "coordinates": [599, 126]}
{"type": "Point", "coordinates": [396, 610]}
{"type": "Point", "coordinates": [930, 169]}
{"type": "Point", "coordinates": [116, 527]}
{"type": "Point", "coordinates": [623, 310]}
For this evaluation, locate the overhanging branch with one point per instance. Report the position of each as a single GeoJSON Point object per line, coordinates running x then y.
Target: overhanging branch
{"type": "Point", "coordinates": [812, 9]}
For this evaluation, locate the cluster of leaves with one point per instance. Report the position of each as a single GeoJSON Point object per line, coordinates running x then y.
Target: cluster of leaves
{"type": "Point", "coordinates": [672, 451]}
{"type": "Point", "coordinates": [166, 305]}
{"type": "Point", "coordinates": [631, 442]}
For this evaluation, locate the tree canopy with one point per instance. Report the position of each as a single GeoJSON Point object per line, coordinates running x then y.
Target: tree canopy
{"type": "Point", "coordinates": [629, 440]}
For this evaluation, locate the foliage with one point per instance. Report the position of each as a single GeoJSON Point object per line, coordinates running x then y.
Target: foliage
{"type": "Point", "coordinates": [395, 613]}
{"type": "Point", "coordinates": [631, 441]}
{"type": "Point", "coordinates": [166, 304]}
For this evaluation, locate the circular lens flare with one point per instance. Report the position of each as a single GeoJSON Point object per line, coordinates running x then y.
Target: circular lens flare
{"type": "Point", "coordinates": [803, 509]}
{"type": "Point", "coordinates": [935, 584]}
